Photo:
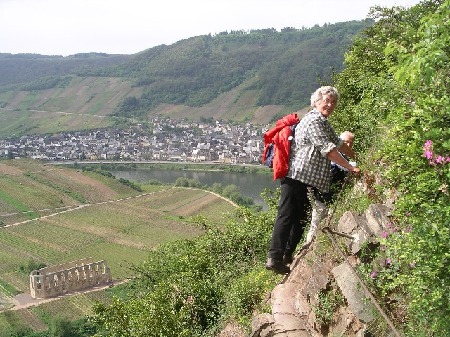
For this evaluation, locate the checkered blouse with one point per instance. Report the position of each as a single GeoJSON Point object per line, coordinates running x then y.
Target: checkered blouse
{"type": "Point", "coordinates": [314, 138]}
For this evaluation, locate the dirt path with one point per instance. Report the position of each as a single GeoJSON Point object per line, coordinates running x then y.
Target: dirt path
{"type": "Point", "coordinates": [74, 208]}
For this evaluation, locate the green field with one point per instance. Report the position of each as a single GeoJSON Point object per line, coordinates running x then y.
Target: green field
{"type": "Point", "coordinates": [56, 215]}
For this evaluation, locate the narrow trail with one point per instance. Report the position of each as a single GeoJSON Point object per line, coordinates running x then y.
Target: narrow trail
{"type": "Point", "coordinates": [78, 207]}
{"type": "Point", "coordinates": [71, 208]}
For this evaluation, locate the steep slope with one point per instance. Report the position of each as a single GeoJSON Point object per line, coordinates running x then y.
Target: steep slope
{"type": "Point", "coordinates": [31, 189]}
{"type": "Point", "coordinates": [324, 294]}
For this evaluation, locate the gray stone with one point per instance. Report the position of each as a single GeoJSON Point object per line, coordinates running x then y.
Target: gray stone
{"type": "Point", "coordinates": [376, 216]}
{"type": "Point", "coordinates": [283, 298]}
{"type": "Point", "coordinates": [360, 237]}
{"type": "Point", "coordinates": [262, 325]}
{"type": "Point", "coordinates": [354, 294]}
{"type": "Point", "coordinates": [347, 223]}
{"type": "Point", "coordinates": [361, 333]}
{"type": "Point", "coordinates": [301, 305]}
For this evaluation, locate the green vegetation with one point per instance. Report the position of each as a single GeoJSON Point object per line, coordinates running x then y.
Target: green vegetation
{"type": "Point", "coordinates": [187, 73]}
{"type": "Point", "coordinates": [191, 287]}
{"type": "Point", "coordinates": [41, 180]}
{"type": "Point", "coordinates": [119, 225]}
{"type": "Point", "coordinates": [253, 76]}
{"type": "Point", "coordinates": [329, 300]}
{"type": "Point", "coordinates": [398, 68]}
{"type": "Point", "coordinates": [396, 99]}
{"type": "Point", "coordinates": [16, 204]}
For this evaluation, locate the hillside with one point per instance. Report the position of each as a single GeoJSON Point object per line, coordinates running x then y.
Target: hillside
{"type": "Point", "coordinates": [52, 215]}
{"type": "Point", "coordinates": [239, 76]}
{"type": "Point", "coordinates": [395, 97]}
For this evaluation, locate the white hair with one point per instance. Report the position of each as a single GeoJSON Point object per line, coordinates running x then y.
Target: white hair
{"type": "Point", "coordinates": [318, 94]}
{"type": "Point", "coordinates": [346, 135]}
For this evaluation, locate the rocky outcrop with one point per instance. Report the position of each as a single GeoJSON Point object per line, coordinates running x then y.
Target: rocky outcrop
{"type": "Point", "coordinates": [322, 270]}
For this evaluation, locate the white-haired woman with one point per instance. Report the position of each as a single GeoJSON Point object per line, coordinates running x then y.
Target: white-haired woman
{"type": "Point", "coordinates": [314, 147]}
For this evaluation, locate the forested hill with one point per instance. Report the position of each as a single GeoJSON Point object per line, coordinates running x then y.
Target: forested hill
{"type": "Point", "coordinates": [262, 67]}
{"type": "Point", "coordinates": [18, 70]}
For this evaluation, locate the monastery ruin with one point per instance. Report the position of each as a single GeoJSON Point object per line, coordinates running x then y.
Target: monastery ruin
{"type": "Point", "coordinates": [69, 277]}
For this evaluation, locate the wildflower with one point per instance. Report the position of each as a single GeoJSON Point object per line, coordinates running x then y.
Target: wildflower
{"type": "Point", "coordinates": [428, 154]}
{"type": "Point", "coordinates": [408, 213]}
{"type": "Point", "coordinates": [432, 158]}
{"type": "Point", "coordinates": [384, 234]}
{"type": "Point", "coordinates": [440, 160]}
{"type": "Point", "coordinates": [412, 265]}
{"type": "Point", "coordinates": [387, 262]}
{"type": "Point", "coordinates": [373, 274]}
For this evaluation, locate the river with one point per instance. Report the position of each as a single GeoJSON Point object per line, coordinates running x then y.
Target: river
{"type": "Point", "coordinates": [250, 185]}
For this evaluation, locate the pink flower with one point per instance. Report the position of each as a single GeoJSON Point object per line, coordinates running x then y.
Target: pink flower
{"type": "Point", "coordinates": [428, 154]}
{"type": "Point", "coordinates": [440, 160]}
{"type": "Point", "coordinates": [373, 274]}
{"type": "Point", "coordinates": [388, 262]}
{"type": "Point", "coordinates": [384, 234]}
{"type": "Point", "coordinates": [412, 265]}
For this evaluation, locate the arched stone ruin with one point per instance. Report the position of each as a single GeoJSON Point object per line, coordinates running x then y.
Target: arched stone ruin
{"type": "Point", "coordinates": [77, 275]}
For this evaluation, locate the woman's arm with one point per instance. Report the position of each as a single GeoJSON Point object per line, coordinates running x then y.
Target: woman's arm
{"type": "Point", "coordinates": [347, 150]}
{"type": "Point", "coordinates": [335, 156]}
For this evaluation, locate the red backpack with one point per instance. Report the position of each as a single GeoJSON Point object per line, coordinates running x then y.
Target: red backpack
{"type": "Point", "coordinates": [277, 145]}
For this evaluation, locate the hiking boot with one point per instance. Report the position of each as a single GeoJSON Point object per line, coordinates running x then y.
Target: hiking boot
{"type": "Point", "coordinates": [287, 259]}
{"type": "Point", "coordinates": [277, 266]}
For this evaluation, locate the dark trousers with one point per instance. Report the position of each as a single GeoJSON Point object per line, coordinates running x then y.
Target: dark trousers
{"type": "Point", "coordinates": [293, 216]}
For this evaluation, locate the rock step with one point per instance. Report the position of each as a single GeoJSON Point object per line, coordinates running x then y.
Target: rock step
{"type": "Point", "coordinates": [293, 301]}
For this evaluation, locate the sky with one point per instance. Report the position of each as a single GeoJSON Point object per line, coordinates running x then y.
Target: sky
{"type": "Point", "coordinates": [67, 27]}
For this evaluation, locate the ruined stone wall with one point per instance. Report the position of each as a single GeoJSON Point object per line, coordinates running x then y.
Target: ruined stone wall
{"type": "Point", "coordinates": [68, 277]}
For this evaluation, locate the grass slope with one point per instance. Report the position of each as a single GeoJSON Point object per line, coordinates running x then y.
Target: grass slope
{"type": "Point", "coordinates": [54, 215]}
{"type": "Point", "coordinates": [88, 103]}
{"type": "Point", "coordinates": [85, 103]}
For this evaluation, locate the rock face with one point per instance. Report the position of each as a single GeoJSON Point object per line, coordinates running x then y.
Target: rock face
{"type": "Point", "coordinates": [319, 270]}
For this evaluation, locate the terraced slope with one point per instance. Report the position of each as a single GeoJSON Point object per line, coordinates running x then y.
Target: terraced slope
{"type": "Point", "coordinates": [54, 215]}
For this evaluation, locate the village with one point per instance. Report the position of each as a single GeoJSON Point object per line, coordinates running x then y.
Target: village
{"type": "Point", "coordinates": [165, 140]}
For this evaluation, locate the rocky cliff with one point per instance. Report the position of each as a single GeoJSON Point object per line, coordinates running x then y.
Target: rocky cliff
{"type": "Point", "coordinates": [323, 295]}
